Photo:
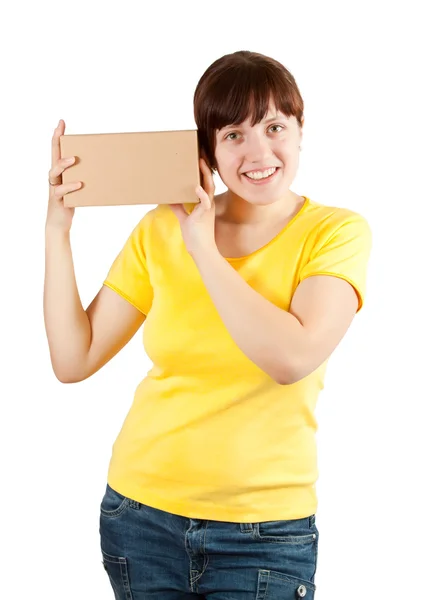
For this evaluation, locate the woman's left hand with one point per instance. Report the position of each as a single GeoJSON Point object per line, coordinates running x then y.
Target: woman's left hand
{"type": "Point", "coordinates": [198, 227]}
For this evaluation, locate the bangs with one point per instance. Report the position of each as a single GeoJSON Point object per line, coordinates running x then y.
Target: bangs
{"type": "Point", "coordinates": [248, 95]}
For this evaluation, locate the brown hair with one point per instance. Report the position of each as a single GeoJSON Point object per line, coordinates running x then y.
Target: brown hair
{"type": "Point", "coordinates": [237, 85]}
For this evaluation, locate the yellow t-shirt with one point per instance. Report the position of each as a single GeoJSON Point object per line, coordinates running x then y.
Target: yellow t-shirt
{"type": "Point", "coordinates": [209, 435]}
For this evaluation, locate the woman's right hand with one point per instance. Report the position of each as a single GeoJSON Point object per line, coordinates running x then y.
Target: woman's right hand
{"type": "Point", "coordinates": [58, 215]}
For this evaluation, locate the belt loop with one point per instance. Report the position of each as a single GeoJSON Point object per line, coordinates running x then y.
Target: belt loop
{"type": "Point", "coordinates": [134, 504]}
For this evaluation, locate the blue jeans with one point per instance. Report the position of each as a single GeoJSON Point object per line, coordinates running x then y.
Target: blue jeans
{"type": "Point", "coordinates": [150, 554]}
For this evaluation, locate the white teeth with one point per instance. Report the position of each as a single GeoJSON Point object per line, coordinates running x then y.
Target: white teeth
{"type": "Point", "coordinates": [260, 174]}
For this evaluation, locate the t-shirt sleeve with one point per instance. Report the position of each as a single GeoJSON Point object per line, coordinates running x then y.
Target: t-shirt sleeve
{"type": "Point", "coordinates": [344, 252]}
{"type": "Point", "coordinates": [129, 275]}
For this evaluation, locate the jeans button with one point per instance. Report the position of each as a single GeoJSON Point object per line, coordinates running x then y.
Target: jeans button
{"type": "Point", "coordinates": [301, 591]}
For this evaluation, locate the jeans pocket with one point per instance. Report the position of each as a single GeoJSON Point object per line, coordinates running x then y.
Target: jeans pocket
{"type": "Point", "coordinates": [275, 585]}
{"type": "Point", "coordinates": [113, 503]}
{"type": "Point", "coordinates": [117, 570]}
{"type": "Point", "coordinates": [293, 531]}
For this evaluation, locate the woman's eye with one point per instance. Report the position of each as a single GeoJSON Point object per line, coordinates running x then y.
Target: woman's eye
{"type": "Point", "coordinates": [234, 133]}
{"type": "Point", "coordinates": [276, 126]}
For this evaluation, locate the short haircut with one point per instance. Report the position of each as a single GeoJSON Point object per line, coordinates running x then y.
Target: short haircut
{"type": "Point", "coordinates": [237, 86]}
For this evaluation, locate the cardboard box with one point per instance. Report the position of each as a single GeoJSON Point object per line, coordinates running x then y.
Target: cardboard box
{"type": "Point", "coordinates": [154, 167]}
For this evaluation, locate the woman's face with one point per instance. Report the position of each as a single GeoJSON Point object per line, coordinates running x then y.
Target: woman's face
{"type": "Point", "coordinates": [274, 142]}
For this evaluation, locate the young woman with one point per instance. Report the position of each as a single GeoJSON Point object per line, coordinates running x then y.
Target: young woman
{"type": "Point", "coordinates": [211, 485]}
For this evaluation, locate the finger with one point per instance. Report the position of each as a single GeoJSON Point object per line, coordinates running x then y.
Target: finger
{"type": "Point", "coordinates": [56, 150]}
{"type": "Point", "coordinates": [62, 190]}
{"type": "Point", "coordinates": [61, 166]}
{"type": "Point", "coordinates": [204, 167]}
{"type": "Point", "coordinates": [179, 211]}
{"type": "Point", "coordinates": [205, 200]}
{"type": "Point", "coordinates": [208, 177]}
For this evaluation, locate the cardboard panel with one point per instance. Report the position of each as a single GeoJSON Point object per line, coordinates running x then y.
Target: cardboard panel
{"type": "Point", "coordinates": [154, 167]}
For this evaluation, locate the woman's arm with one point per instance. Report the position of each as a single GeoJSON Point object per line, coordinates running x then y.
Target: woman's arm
{"type": "Point", "coordinates": [81, 341]}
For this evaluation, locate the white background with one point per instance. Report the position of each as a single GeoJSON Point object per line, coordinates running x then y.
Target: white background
{"type": "Point", "coordinates": [369, 77]}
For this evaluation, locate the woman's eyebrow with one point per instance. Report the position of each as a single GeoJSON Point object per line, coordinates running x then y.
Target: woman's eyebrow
{"type": "Point", "coordinates": [274, 118]}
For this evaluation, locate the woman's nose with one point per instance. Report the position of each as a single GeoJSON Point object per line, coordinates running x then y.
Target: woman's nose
{"type": "Point", "coordinates": [257, 148]}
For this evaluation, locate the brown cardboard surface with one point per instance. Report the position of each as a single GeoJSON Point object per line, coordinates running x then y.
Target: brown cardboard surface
{"type": "Point", "coordinates": [153, 167]}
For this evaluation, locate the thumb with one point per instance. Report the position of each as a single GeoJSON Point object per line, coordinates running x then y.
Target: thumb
{"type": "Point", "coordinates": [179, 211]}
